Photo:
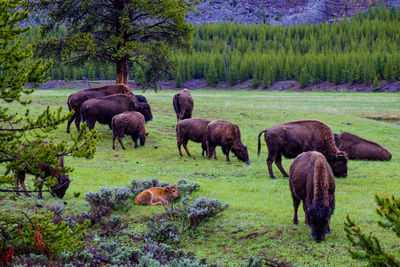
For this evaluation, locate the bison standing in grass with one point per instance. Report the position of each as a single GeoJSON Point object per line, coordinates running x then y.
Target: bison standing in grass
{"type": "Point", "coordinates": [103, 109]}
{"type": "Point", "coordinates": [226, 135]}
{"type": "Point", "coordinates": [130, 123]}
{"type": "Point", "coordinates": [360, 148]}
{"type": "Point", "coordinates": [76, 100]}
{"type": "Point", "coordinates": [183, 105]}
{"type": "Point", "coordinates": [194, 130]}
{"type": "Point", "coordinates": [311, 181]}
{"type": "Point", "coordinates": [292, 138]}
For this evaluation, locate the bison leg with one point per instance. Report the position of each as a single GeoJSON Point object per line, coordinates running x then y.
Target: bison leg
{"type": "Point", "coordinates": [120, 141]}
{"type": "Point", "coordinates": [77, 122]}
{"type": "Point", "coordinates": [226, 150]}
{"type": "Point", "coordinates": [21, 181]}
{"type": "Point", "coordinates": [179, 149]}
{"type": "Point", "coordinates": [114, 137]}
{"type": "Point", "coordinates": [17, 182]}
{"type": "Point", "coordinates": [305, 213]}
{"type": "Point", "coordinates": [278, 163]}
{"type": "Point", "coordinates": [296, 203]}
{"type": "Point", "coordinates": [186, 149]}
{"type": "Point", "coordinates": [69, 123]}
{"type": "Point", "coordinates": [269, 164]}
{"type": "Point", "coordinates": [203, 149]}
{"type": "Point", "coordinates": [40, 187]}
{"type": "Point", "coordinates": [135, 141]}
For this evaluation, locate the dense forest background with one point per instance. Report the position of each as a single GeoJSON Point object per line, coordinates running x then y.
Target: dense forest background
{"type": "Point", "coordinates": [362, 49]}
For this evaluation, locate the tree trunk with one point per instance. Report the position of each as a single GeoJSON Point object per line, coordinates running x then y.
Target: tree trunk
{"type": "Point", "coordinates": [122, 71]}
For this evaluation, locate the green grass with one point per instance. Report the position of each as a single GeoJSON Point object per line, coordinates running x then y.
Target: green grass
{"type": "Point", "coordinates": [259, 218]}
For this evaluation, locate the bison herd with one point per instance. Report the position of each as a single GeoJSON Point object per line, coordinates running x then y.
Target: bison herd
{"type": "Point", "coordinates": [319, 153]}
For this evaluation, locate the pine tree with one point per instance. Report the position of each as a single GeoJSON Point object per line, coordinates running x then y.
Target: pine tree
{"type": "Point", "coordinates": [211, 74]}
{"type": "Point", "coordinates": [376, 84]}
{"type": "Point", "coordinates": [303, 78]}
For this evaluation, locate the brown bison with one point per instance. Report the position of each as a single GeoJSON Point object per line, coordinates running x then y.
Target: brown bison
{"type": "Point", "coordinates": [292, 138]}
{"type": "Point", "coordinates": [76, 100]}
{"type": "Point", "coordinates": [131, 123]}
{"type": "Point", "coordinates": [226, 135]}
{"type": "Point", "coordinates": [194, 130]}
{"type": "Point", "coordinates": [46, 170]}
{"type": "Point", "coordinates": [360, 148]}
{"type": "Point", "coordinates": [311, 181]}
{"type": "Point", "coordinates": [103, 109]}
{"type": "Point", "coordinates": [157, 196]}
{"type": "Point", "coordinates": [183, 105]}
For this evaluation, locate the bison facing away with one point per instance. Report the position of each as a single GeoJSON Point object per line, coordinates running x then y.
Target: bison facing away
{"type": "Point", "coordinates": [183, 105]}
{"type": "Point", "coordinates": [292, 138]}
{"type": "Point", "coordinates": [311, 181]}
{"type": "Point", "coordinates": [76, 100]}
{"type": "Point", "coordinates": [131, 123]}
{"type": "Point", "coordinates": [103, 109]}
{"type": "Point", "coordinates": [194, 130]}
{"type": "Point", "coordinates": [157, 195]}
{"type": "Point", "coordinates": [361, 149]}
{"type": "Point", "coordinates": [226, 135]}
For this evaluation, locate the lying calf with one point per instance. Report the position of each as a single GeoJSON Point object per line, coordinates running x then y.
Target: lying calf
{"type": "Point", "coordinates": [157, 195]}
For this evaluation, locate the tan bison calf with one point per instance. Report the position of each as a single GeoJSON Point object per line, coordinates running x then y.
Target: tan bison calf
{"type": "Point", "coordinates": [361, 149]}
{"type": "Point", "coordinates": [227, 135]}
{"type": "Point", "coordinates": [194, 130]}
{"type": "Point", "coordinates": [130, 123]}
{"type": "Point", "coordinates": [311, 181]}
{"type": "Point", "coordinates": [183, 105]}
{"type": "Point", "coordinates": [157, 195]}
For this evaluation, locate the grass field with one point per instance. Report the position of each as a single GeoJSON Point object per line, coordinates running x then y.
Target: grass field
{"type": "Point", "coordinates": [259, 218]}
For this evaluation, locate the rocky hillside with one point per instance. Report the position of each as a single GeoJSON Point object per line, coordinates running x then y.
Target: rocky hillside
{"type": "Point", "coordinates": [278, 12]}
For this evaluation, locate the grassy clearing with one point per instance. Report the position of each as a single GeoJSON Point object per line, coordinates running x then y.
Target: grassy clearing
{"type": "Point", "coordinates": [259, 218]}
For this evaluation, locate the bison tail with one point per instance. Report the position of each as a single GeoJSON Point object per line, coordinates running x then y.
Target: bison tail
{"type": "Point", "coordinates": [175, 102]}
{"type": "Point", "coordinates": [83, 119]}
{"type": "Point", "coordinates": [68, 104]}
{"type": "Point", "coordinates": [259, 141]}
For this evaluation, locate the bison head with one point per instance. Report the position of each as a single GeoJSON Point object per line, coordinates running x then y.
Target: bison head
{"type": "Point", "coordinates": [318, 217]}
{"type": "Point", "coordinates": [339, 164]}
{"type": "Point", "coordinates": [59, 189]}
{"type": "Point", "coordinates": [145, 109]}
{"type": "Point", "coordinates": [172, 192]}
{"type": "Point", "coordinates": [141, 99]}
{"type": "Point", "coordinates": [241, 153]}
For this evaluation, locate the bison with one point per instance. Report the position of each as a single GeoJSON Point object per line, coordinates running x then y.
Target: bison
{"type": "Point", "coordinates": [131, 123]}
{"type": "Point", "coordinates": [311, 181]}
{"type": "Point", "coordinates": [183, 105]}
{"type": "Point", "coordinates": [103, 109]}
{"type": "Point", "coordinates": [361, 149]}
{"type": "Point", "coordinates": [157, 195]}
{"type": "Point", "coordinates": [226, 135]}
{"type": "Point", "coordinates": [292, 138]}
{"type": "Point", "coordinates": [76, 100]}
{"type": "Point", "coordinates": [194, 130]}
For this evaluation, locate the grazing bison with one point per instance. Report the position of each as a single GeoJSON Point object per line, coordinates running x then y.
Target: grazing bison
{"type": "Point", "coordinates": [131, 123]}
{"type": "Point", "coordinates": [157, 195]}
{"type": "Point", "coordinates": [292, 138]}
{"type": "Point", "coordinates": [76, 100]}
{"type": "Point", "coordinates": [194, 130]}
{"type": "Point", "coordinates": [183, 105]}
{"type": "Point", "coordinates": [226, 135]}
{"type": "Point", "coordinates": [103, 109]}
{"type": "Point", "coordinates": [360, 148]}
{"type": "Point", "coordinates": [311, 181]}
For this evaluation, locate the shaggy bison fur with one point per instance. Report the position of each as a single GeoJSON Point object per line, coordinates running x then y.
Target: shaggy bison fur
{"type": "Point", "coordinates": [157, 195]}
{"type": "Point", "coordinates": [131, 123]}
{"type": "Point", "coordinates": [183, 105]}
{"type": "Point", "coordinates": [226, 135]}
{"type": "Point", "coordinates": [311, 181]}
{"type": "Point", "coordinates": [194, 130]}
{"type": "Point", "coordinates": [361, 149]}
{"type": "Point", "coordinates": [76, 100]}
{"type": "Point", "coordinates": [103, 109]}
{"type": "Point", "coordinates": [292, 138]}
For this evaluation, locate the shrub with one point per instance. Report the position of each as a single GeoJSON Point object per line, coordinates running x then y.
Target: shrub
{"type": "Point", "coordinates": [203, 209]}
{"type": "Point", "coordinates": [183, 186]}
{"type": "Point", "coordinates": [162, 232]}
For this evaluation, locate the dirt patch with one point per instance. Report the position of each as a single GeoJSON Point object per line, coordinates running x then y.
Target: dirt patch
{"type": "Point", "coordinates": [390, 118]}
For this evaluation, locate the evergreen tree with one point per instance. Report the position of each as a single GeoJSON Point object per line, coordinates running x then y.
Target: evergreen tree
{"type": "Point", "coordinates": [376, 84]}
{"type": "Point", "coordinates": [211, 74]}
{"type": "Point", "coordinates": [303, 78]}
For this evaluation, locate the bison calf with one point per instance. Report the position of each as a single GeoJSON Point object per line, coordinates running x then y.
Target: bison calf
{"type": "Point", "coordinates": [361, 149]}
{"type": "Point", "coordinates": [226, 135]}
{"type": "Point", "coordinates": [311, 181]}
{"type": "Point", "coordinates": [194, 130]}
{"type": "Point", "coordinates": [183, 105]}
{"type": "Point", "coordinates": [292, 138]}
{"type": "Point", "coordinates": [157, 195]}
{"type": "Point", "coordinates": [130, 123]}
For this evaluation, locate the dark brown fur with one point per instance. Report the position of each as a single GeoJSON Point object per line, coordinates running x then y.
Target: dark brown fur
{"type": "Point", "coordinates": [103, 109]}
{"type": "Point", "coordinates": [157, 195]}
{"type": "Point", "coordinates": [361, 149]}
{"type": "Point", "coordinates": [311, 181]}
{"type": "Point", "coordinates": [76, 100]}
{"type": "Point", "coordinates": [292, 138]}
{"type": "Point", "coordinates": [194, 130]}
{"type": "Point", "coordinates": [183, 105]}
{"type": "Point", "coordinates": [131, 123]}
{"type": "Point", "coordinates": [226, 135]}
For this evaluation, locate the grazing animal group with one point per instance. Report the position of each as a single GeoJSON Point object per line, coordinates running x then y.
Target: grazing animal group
{"type": "Point", "coordinates": [319, 153]}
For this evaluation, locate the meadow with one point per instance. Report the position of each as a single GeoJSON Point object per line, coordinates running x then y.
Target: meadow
{"type": "Point", "coordinates": [258, 221]}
